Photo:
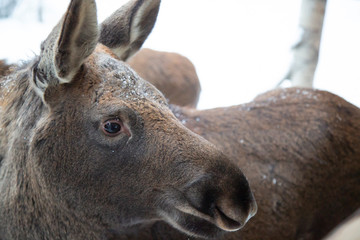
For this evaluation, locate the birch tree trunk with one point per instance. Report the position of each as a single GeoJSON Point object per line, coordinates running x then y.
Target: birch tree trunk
{"type": "Point", "coordinates": [7, 7]}
{"type": "Point", "coordinates": [40, 11]}
{"type": "Point", "coordinates": [306, 51]}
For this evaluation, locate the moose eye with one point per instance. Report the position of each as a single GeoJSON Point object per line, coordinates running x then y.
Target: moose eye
{"type": "Point", "coordinates": [112, 127]}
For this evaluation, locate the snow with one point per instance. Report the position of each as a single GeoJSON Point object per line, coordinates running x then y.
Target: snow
{"type": "Point", "coordinates": [240, 48]}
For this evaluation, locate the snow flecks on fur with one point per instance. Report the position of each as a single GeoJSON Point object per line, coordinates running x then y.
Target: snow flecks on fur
{"type": "Point", "coordinates": [125, 83]}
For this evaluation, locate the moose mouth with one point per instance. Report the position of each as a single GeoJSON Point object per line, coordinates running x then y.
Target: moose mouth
{"type": "Point", "coordinates": [195, 223]}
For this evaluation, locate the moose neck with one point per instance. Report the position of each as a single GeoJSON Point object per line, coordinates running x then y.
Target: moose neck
{"type": "Point", "coordinates": [31, 212]}
{"type": "Point", "coordinates": [20, 109]}
{"type": "Point", "coordinates": [25, 201]}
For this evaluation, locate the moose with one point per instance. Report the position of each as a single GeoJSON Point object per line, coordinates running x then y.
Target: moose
{"type": "Point", "coordinates": [300, 150]}
{"type": "Point", "coordinates": [89, 150]}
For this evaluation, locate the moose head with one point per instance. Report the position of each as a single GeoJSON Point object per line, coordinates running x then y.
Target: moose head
{"type": "Point", "coordinates": [89, 148]}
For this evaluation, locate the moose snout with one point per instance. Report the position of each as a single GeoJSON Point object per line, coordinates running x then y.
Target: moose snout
{"type": "Point", "coordinates": [225, 201]}
{"type": "Point", "coordinates": [232, 216]}
{"type": "Point", "coordinates": [208, 194]}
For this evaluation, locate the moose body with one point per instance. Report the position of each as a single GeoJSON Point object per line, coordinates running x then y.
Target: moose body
{"type": "Point", "coordinates": [89, 150]}
{"type": "Point", "coordinates": [302, 158]}
{"type": "Point", "coordinates": [171, 73]}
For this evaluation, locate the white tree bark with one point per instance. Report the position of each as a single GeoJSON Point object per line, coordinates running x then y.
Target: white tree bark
{"type": "Point", "coordinates": [306, 51]}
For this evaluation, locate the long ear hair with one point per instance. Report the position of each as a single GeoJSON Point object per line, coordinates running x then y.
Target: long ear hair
{"type": "Point", "coordinates": [125, 31]}
{"type": "Point", "coordinates": [71, 41]}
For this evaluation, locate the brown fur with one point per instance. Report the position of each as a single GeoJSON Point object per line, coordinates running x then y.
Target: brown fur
{"type": "Point", "coordinates": [174, 75]}
{"type": "Point", "coordinates": [89, 150]}
{"type": "Point", "coordinates": [300, 150]}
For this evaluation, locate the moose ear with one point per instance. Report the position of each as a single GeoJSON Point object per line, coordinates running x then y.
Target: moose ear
{"type": "Point", "coordinates": [68, 45]}
{"type": "Point", "coordinates": [125, 31]}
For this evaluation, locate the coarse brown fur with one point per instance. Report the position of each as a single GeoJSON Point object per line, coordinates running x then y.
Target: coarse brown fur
{"type": "Point", "coordinates": [171, 73]}
{"type": "Point", "coordinates": [300, 149]}
{"type": "Point", "coordinates": [89, 150]}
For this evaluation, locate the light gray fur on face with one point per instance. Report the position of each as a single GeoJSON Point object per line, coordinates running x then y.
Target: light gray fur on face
{"type": "Point", "coordinates": [127, 84]}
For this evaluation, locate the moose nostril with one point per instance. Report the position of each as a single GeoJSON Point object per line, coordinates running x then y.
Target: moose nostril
{"type": "Point", "coordinates": [225, 222]}
{"type": "Point", "coordinates": [228, 204]}
{"type": "Point", "coordinates": [230, 217]}
{"type": "Point", "coordinates": [232, 214]}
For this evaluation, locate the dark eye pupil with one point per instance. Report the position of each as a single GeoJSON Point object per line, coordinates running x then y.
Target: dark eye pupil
{"type": "Point", "coordinates": [112, 127]}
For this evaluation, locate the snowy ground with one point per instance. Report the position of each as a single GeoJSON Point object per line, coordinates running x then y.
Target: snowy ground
{"type": "Point", "coordinates": [240, 48]}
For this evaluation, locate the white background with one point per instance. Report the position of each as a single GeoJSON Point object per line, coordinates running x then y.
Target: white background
{"type": "Point", "coordinates": [240, 48]}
